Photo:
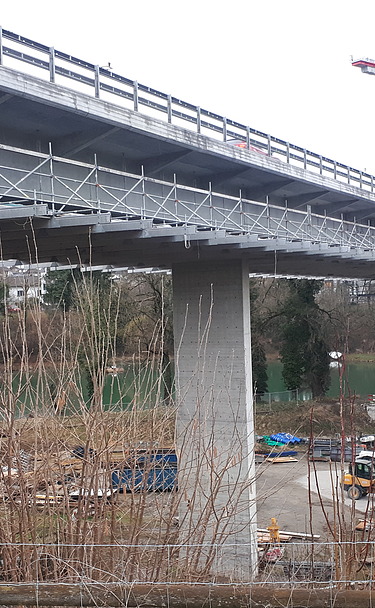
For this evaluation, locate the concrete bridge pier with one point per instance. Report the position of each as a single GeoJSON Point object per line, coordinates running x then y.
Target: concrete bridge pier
{"type": "Point", "coordinates": [215, 430]}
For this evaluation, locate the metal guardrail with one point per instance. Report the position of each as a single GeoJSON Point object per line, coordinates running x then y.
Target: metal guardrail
{"type": "Point", "coordinates": [60, 66]}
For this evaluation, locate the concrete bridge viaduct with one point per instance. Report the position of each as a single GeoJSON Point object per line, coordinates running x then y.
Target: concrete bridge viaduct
{"type": "Point", "coordinates": [98, 169]}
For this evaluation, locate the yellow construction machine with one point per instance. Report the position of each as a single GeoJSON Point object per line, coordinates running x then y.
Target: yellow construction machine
{"type": "Point", "coordinates": [361, 478]}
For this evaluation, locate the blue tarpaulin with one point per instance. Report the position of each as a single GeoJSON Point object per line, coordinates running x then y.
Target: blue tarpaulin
{"type": "Point", "coordinates": [285, 438]}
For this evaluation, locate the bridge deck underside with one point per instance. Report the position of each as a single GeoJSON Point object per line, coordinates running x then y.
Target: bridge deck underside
{"type": "Point", "coordinates": [32, 235]}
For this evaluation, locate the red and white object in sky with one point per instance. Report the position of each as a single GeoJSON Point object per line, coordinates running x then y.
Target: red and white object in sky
{"type": "Point", "coordinates": [367, 65]}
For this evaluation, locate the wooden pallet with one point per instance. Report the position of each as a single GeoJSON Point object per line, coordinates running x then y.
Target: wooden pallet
{"type": "Point", "coordinates": [282, 459]}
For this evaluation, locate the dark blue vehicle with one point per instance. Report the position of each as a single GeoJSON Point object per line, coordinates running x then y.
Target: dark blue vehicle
{"type": "Point", "coordinates": [148, 472]}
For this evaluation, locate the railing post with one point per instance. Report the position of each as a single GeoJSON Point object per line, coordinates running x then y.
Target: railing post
{"type": "Point", "coordinates": [334, 169]}
{"type": "Point", "coordinates": [269, 150]}
{"type": "Point", "coordinates": [97, 182]}
{"type": "Point", "coordinates": [287, 152]}
{"type": "Point", "coordinates": [321, 165]}
{"type": "Point", "coordinates": [342, 232]}
{"type": "Point", "coordinates": [248, 138]}
{"type": "Point", "coordinates": [210, 199]}
{"type": "Point", "coordinates": [97, 81]}
{"type": "Point", "coordinates": [51, 175]}
{"type": "Point", "coordinates": [52, 73]}
{"type": "Point", "coordinates": [241, 212]}
{"type": "Point", "coordinates": [169, 108]}
{"type": "Point", "coordinates": [199, 119]}
{"type": "Point", "coordinates": [308, 212]}
{"type": "Point", "coordinates": [224, 129]}
{"type": "Point", "coordinates": [143, 212]}
{"type": "Point", "coordinates": [1, 45]}
{"type": "Point", "coordinates": [304, 159]}
{"type": "Point", "coordinates": [135, 96]}
{"type": "Point", "coordinates": [286, 217]}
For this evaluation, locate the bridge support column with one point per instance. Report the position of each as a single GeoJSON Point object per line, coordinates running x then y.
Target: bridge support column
{"type": "Point", "coordinates": [215, 430]}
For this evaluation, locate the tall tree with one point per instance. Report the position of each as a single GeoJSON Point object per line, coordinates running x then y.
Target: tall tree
{"type": "Point", "coordinates": [4, 293]}
{"type": "Point", "coordinates": [304, 352]}
{"type": "Point", "coordinates": [60, 287]}
{"type": "Point", "coordinates": [158, 307]}
{"type": "Point", "coordinates": [258, 354]}
{"type": "Point", "coordinates": [97, 304]}
{"type": "Point", "coordinates": [92, 298]}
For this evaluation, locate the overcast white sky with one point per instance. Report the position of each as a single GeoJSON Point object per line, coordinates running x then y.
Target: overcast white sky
{"type": "Point", "coordinates": [280, 66]}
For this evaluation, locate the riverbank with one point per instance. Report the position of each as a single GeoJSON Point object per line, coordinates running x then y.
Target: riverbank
{"type": "Point", "coordinates": [349, 357]}
{"type": "Point", "coordinates": [360, 358]}
{"type": "Point", "coordinates": [318, 417]}
{"type": "Point", "coordinates": [156, 426]}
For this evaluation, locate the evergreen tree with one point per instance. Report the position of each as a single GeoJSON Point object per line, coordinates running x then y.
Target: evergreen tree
{"type": "Point", "coordinates": [60, 287]}
{"type": "Point", "coordinates": [156, 309]}
{"type": "Point", "coordinates": [97, 304]}
{"type": "Point", "coordinates": [4, 292]}
{"type": "Point", "coordinates": [258, 355]}
{"type": "Point", "coordinates": [94, 300]}
{"type": "Point", "coordinates": [259, 366]}
{"type": "Point", "coordinates": [304, 352]}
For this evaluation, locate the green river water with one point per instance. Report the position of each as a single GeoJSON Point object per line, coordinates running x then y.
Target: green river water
{"type": "Point", "coordinates": [358, 378]}
{"type": "Point", "coordinates": [142, 385]}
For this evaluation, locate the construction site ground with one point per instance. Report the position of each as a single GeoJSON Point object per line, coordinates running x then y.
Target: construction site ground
{"type": "Point", "coordinates": [287, 491]}
{"type": "Point", "coordinates": [306, 497]}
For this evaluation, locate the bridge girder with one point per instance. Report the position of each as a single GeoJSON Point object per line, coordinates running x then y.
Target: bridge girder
{"type": "Point", "coordinates": [42, 113]}
{"type": "Point", "coordinates": [100, 239]}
